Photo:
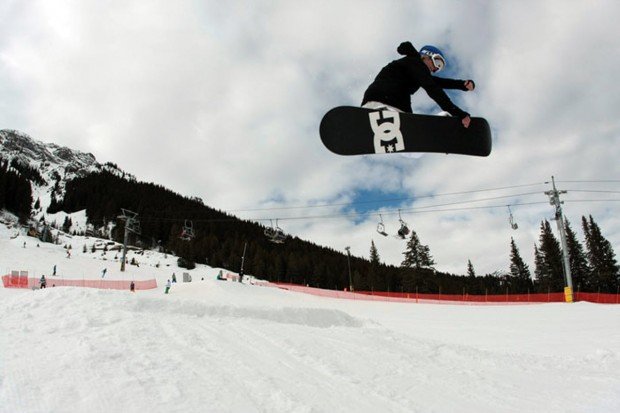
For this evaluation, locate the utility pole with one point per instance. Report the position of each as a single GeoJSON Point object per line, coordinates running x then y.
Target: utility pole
{"type": "Point", "coordinates": [554, 199]}
{"type": "Point", "coordinates": [242, 262]}
{"type": "Point", "coordinates": [131, 225]}
{"type": "Point", "coordinates": [349, 261]}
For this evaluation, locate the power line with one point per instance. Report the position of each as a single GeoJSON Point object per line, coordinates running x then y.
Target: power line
{"type": "Point", "coordinates": [395, 212]}
{"type": "Point", "coordinates": [417, 210]}
{"type": "Point", "coordinates": [348, 204]}
{"type": "Point", "coordinates": [593, 191]}
{"type": "Point", "coordinates": [592, 200]}
{"type": "Point", "coordinates": [593, 182]}
{"type": "Point", "coordinates": [386, 200]}
{"type": "Point", "coordinates": [481, 200]}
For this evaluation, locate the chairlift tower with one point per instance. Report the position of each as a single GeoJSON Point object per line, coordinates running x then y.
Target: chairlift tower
{"type": "Point", "coordinates": [242, 262]}
{"type": "Point", "coordinates": [554, 199]}
{"type": "Point", "coordinates": [131, 225]}
{"type": "Point", "coordinates": [349, 261]}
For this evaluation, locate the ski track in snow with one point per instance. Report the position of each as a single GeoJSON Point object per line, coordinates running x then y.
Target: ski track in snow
{"type": "Point", "coordinates": [71, 349]}
{"type": "Point", "coordinates": [213, 346]}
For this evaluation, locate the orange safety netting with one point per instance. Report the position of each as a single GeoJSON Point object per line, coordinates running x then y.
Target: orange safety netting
{"type": "Point", "coordinates": [23, 281]}
{"type": "Point", "coordinates": [454, 298]}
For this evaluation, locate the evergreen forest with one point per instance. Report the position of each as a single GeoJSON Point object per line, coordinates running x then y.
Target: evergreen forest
{"type": "Point", "coordinates": [219, 240]}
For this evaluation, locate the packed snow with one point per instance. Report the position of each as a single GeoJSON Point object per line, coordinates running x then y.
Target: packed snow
{"type": "Point", "coordinates": [218, 346]}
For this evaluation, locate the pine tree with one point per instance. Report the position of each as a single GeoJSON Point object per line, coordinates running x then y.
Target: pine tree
{"type": "Point", "coordinates": [418, 262]}
{"type": "Point", "coordinates": [519, 270]}
{"type": "Point", "coordinates": [15, 192]}
{"type": "Point", "coordinates": [417, 255]}
{"type": "Point", "coordinates": [579, 268]}
{"type": "Point", "coordinates": [604, 267]}
{"type": "Point", "coordinates": [371, 281]}
{"type": "Point", "coordinates": [470, 269]}
{"type": "Point", "coordinates": [539, 267]}
{"type": "Point", "coordinates": [66, 226]}
{"type": "Point", "coordinates": [549, 272]}
{"type": "Point", "coordinates": [374, 254]}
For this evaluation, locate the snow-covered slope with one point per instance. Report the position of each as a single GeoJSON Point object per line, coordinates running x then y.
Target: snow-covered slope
{"type": "Point", "coordinates": [213, 346]}
{"type": "Point", "coordinates": [56, 166]}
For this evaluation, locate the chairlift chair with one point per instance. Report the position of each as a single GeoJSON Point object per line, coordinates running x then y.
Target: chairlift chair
{"type": "Point", "coordinates": [188, 231]}
{"type": "Point", "coordinates": [403, 231]}
{"type": "Point", "coordinates": [269, 231]}
{"type": "Point", "coordinates": [275, 234]}
{"type": "Point", "coordinates": [381, 227]}
{"type": "Point", "coordinates": [511, 220]}
{"type": "Point", "coordinates": [278, 237]}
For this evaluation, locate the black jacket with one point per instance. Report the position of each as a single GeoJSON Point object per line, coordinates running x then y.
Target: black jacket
{"type": "Point", "coordinates": [401, 78]}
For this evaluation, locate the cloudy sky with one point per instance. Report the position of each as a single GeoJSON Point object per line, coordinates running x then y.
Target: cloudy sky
{"type": "Point", "coordinates": [223, 100]}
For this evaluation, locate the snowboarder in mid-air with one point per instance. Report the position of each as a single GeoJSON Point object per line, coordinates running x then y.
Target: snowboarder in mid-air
{"type": "Point", "coordinates": [386, 123]}
{"type": "Point", "coordinates": [396, 82]}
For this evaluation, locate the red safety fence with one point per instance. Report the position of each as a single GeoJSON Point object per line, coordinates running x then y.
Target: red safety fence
{"type": "Point", "coordinates": [15, 280]}
{"type": "Point", "coordinates": [600, 298]}
{"type": "Point", "coordinates": [473, 298]}
{"type": "Point", "coordinates": [23, 281]}
{"type": "Point", "coordinates": [454, 298]}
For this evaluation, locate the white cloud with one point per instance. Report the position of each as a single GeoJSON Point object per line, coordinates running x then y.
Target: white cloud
{"type": "Point", "coordinates": [223, 100]}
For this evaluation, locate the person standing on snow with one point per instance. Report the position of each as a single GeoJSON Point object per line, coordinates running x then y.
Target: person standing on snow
{"type": "Point", "coordinates": [42, 282]}
{"type": "Point", "coordinates": [401, 78]}
{"type": "Point", "coordinates": [168, 285]}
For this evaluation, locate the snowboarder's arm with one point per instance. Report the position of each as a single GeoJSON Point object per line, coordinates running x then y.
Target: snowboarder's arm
{"type": "Point", "coordinates": [418, 70]}
{"type": "Point", "coordinates": [459, 84]}
{"type": "Point", "coordinates": [436, 93]}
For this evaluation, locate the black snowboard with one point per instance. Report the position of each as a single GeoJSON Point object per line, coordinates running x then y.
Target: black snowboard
{"type": "Point", "coordinates": [348, 130]}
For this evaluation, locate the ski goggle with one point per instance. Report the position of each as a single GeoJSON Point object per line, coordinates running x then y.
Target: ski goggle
{"type": "Point", "coordinates": [438, 61]}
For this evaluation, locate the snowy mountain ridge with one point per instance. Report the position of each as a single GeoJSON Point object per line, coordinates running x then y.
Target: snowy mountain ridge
{"type": "Point", "coordinates": [56, 164]}
{"type": "Point", "coordinates": [17, 145]}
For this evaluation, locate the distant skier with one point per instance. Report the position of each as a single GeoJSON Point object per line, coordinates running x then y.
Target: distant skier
{"type": "Point", "coordinates": [132, 287]}
{"type": "Point", "coordinates": [168, 285]}
{"type": "Point", "coordinates": [401, 78]}
{"type": "Point", "coordinates": [42, 282]}
{"type": "Point", "coordinates": [104, 272]}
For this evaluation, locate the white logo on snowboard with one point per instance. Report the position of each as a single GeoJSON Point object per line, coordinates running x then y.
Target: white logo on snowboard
{"type": "Point", "coordinates": [388, 137]}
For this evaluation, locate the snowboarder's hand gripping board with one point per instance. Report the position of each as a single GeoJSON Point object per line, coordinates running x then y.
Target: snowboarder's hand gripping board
{"type": "Point", "coordinates": [348, 130]}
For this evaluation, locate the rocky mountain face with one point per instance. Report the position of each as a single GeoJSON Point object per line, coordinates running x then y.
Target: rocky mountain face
{"type": "Point", "coordinates": [52, 164]}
